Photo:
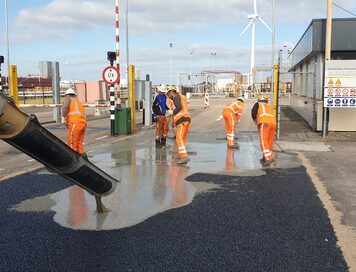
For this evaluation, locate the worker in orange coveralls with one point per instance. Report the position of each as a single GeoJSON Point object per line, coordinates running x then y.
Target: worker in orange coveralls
{"type": "Point", "coordinates": [170, 117]}
{"type": "Point", "coordinates": [181, 119]}
{"type": "Point", "coordinates": [232, 113]}
{"type": "Point", "coordinates": [262, 115]}
{"type": "Point", "coordinates": [75, 120]}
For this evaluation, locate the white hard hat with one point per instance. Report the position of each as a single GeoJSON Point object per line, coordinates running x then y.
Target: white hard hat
{"type": "Point", "coordinates": [263, 98]}
{"type": "Point", "coordinates": [241, 99]}
{"type": "Point", "coordinates": [162, 88]}
{"type": "Point", "coordinates": [70, 91]}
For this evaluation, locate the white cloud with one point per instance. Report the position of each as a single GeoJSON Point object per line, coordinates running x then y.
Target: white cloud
{"type": "Point", "coordinates": [60, 18]}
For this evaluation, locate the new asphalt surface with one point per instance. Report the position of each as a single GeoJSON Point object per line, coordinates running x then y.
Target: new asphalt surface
{"type": "Point", "coordinates": [272, 222]}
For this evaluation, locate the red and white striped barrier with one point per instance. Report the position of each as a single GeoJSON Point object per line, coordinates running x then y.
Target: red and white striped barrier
{"type": "Point", "coordinates": [59, 106]}
{"type": "Point", "coordinates": [206, 100]}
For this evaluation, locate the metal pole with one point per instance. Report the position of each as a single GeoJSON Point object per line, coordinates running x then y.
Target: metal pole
{"type": "Point", "coordinates": [190, 68]}
{"type": "Point", "coordinates": [127, 44]}
{"type": "Point", "coordinates": [7, 44]}
{"type": "Point", "coordinates": [117, 24]}
{"type": "Point", "coordinates": [327, 54]}
{"type": "Point", "coordinates": [279, 97]}
{"type": "Point", "coordinates": [112, 110]}
{"type": "Point", "coordinates": [170, 63]}
{"type": "Point", "coordinates": [273, 37]}
{"type": "Point", "coordinates": [314, 94]}
{"type": "Point", "coordinates": [1, 57]}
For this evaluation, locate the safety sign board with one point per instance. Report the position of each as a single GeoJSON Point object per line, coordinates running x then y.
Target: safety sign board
{"type": "Point", "coordinates": [111, 75]}
{"type": "Point", "coordinates": [340, 84]}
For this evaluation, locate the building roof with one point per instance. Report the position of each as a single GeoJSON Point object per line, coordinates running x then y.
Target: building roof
{"type": "Point", "coordinates": [313, 40]}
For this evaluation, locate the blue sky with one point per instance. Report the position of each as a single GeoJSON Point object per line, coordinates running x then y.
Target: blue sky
{"type": "Point", "coordinates": [78, 33]}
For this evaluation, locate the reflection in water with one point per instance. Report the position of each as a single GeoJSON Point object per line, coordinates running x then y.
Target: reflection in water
{"type": "Point", "coordinates": [78, 208]}
{"type": "Point", "coordinates": [230, 160]}
{"type": "Point", "coordinates": [160, 188]}
{"type": "Point", "coordinates": [177, 183]}
{"type": "Point", "coordinates": [151, 181]}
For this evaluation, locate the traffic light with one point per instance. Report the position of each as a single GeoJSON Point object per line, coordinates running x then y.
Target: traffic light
{"type": "Point", "coordinates": [111, 57]}
{"type": "Point", "coordinates": [2, 59]}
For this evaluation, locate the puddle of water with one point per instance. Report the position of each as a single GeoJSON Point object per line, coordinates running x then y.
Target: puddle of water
{"type": "Point", "coordinates": [151, 181]}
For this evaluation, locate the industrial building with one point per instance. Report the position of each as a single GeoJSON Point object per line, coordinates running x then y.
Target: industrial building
{"type": "Point", "coordinates": [307, 62]}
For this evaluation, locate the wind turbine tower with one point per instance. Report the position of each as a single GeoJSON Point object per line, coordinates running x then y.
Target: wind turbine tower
{"type": "Point", "coordinates": [253, 19]}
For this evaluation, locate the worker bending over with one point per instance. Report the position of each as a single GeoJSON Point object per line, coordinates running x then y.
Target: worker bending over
{"type": "Point", "coordinates": [170, 117]}
{"type": "Point", "coordinates": [232, 113]}
{"type": "Point", "coordinates": [181, 119]}
{"type": "Point", "coordinates": [75, 120]}
{"type": "Point", "coordinates": [262, 115]}
{"type": "Point", "coordinates": [160, 108]}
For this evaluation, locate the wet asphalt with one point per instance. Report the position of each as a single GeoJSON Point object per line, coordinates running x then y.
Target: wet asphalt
{"type": "Point", "coordinates": [270, 222]}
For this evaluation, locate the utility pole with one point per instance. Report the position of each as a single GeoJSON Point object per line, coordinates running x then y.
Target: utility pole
{"type": "Point", "coordinates": [327, 54]}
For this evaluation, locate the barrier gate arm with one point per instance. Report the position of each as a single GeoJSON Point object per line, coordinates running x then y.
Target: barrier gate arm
{"type": "Point", "coordinates": [25, 133]}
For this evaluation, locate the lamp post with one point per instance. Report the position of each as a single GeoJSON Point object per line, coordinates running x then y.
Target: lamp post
{"type": "Point", "coordinates": [190, 67]}
{"type": "Point", "coordinates": [213, 61]}
{"type": "Point", "coordinates": [170, 63]}
{"type": "Point", "coordinates": [212, 69]}
{"type": "Point", "coordinates": [7, 43]}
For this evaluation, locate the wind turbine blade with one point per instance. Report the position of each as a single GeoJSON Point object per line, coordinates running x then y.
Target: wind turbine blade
{"type": "Point", "coordinates": [255, 6]}
{"type": "Point", "coordinates": [263, 22]}
{"type": "Point", "coordinates": [247, 27]}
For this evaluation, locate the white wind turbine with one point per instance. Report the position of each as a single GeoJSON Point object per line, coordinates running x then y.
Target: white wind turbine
{"type": "Point", "coordinates": [253, 19]}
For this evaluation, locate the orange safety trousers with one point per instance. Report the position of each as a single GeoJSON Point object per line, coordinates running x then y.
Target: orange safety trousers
{"type": "Point", "coordinates": [267, 133]}
{"type": "Point", "coordinates": [230, 125]}
{"type": "Point", "coordinates": [75, 136]}
{"type": "Point", "coordinates": [181, 139]}
{"type": "Point", "coordinates": [161, 127]}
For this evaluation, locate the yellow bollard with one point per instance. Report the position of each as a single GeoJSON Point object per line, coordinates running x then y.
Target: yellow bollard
{"type": "Point", "coordinates": [132, 97]}
{"type": "Point", "coordinates": [275, 88]}
{"type": "Point", "coordinates": [14, 84]}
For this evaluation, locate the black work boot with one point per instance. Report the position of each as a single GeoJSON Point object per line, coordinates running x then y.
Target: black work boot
{"type": "Point", "coordinates": [163, 141]}
{"type": "Point", "coordinates": [158, 143]}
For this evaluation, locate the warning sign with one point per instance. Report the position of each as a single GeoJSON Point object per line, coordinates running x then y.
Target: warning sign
{"type": "Point", "coordinates": [331, 83]}
{"type": "Point", "coordinates": [340, 84]}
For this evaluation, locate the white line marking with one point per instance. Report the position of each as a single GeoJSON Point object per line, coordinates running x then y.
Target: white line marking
{"type": "Point", "coordinates": [32, 160]}
{"type": "Point", "coordinates": [1, 169]}
{"type": "Point", "coordinates": [103, 137]}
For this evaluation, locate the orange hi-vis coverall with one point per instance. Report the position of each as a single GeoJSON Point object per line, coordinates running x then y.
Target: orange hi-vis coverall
{"type": "Point", "coordinates": [232, 113]}
{"type": "Point", "coordinates": [181, 118]}
{"type": "Point", "coordinates": [170, 105]}
{"type": "Point", "coordinates": [76, 123]}
{"type": "Point", "coordinates": [267, 129]}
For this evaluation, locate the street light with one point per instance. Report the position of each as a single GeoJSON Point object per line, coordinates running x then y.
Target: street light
{"type": "Point", "coordinates": [7, 43]}
{"type": "Point", "coordinates": [213, 61]}
{"type": "Point", "coordinates": [212, 68]}
{"type": "Point", "coordinates": [190, 68]}
{"type": "Point", "coordinates": [170, 63]}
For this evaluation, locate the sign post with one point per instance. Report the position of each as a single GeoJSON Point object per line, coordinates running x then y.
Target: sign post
{"type": "Point", "coordinates": [111, 77]}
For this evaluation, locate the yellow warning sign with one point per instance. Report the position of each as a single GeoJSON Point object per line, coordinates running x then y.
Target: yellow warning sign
{"type": "Point", "coordinates": [331, 83]}
{"type": "Point", "coordinates": [338, 83]}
